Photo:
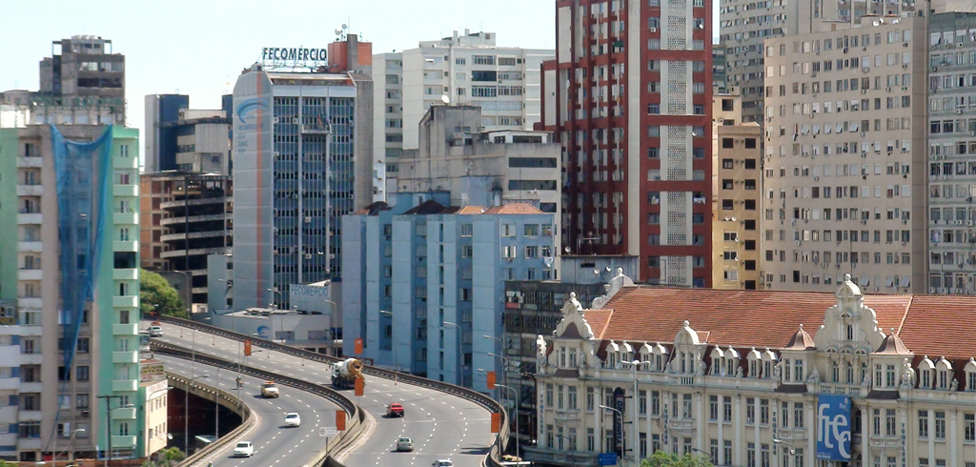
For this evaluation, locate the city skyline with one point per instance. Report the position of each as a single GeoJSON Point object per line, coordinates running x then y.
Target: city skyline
{"type": "Point", "coordinates": [164, 60]}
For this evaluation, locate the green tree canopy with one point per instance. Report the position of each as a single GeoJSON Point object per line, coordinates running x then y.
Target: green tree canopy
{"type": "Point", "coordinates": [155, 293]}
{"type": "Point", "coordinates": [665, 459]}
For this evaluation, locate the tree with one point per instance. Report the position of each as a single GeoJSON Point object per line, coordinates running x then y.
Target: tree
{"type": "Point", "coordinates": [664, 459]}
{"type": "Point", "coordinates": [155, 294]}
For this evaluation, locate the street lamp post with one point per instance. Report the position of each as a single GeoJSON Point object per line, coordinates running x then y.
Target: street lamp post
{"type": "Point", "coordinates": [108, 420]}
{"type": "Point", "coordinates": [396, 359]}
{"type": "Point", "coordinates": [332, 325]}
{"type": "Point", "coordinates": [517, 433]}
{"type": "Point", "coordinates": [186, 412]}
{"type": "Point", "coordinates": [71, 439]}
{"type": "Point", "coordinates": [460, 356]}
{"type": "Point", "coordinates": [636, 365]}
{"type": "Point", "coordinates": [789, 447]}
{"type": "Point", "coordinates": [709, 456]}
{"type": "Point", "coordinates": [618, 412]}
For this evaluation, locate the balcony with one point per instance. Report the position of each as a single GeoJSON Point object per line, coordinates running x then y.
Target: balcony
{"type": "Point", "coordinates": [125, 274]}
{"type": "Point", "coordinates": [125, 190]}
{"type": "Point", "coordinates": [125, 218]}
{"type": "Point", "coordinates": [30, 444]}
{"type": "Point", "coordinates": [125, 329]}
{"type": "Point", "coordinates": [125, 162]}
{"type": "Point", "coordinates": [121, 245]}
{"type": "Point", "coordinates": [9, 384]}
{"type": "Point", "coordinates": [29, 415]}
{"type": "Point", "coordinates": [29, 218]}
{"type": "Point", "coordinates": [123, 442]}
{"type": "Point", "coordinates": [24, 162]}
{"type": "Point", "coordinates": [30, 190]}
{"type": "Point", "coordinates": [127, 301]}
{"type": "Point", "coordinates": [29, 302]}
{"type": "Point", "coordinates": [125, 357]}
{"type": "Point", "coordinates": [29, 274]}
{"type": "Point", "coordinates": [124, 385]}
{"type": "Point", "coordinates": [30, 247]}
{"type": "Point", "coordinates": [31, 358]}
{"type": "Point", "coordinates": [31, 387]}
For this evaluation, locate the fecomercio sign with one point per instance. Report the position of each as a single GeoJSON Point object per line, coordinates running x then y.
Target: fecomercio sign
{"type": "Point", "coordinates": [293, 54]}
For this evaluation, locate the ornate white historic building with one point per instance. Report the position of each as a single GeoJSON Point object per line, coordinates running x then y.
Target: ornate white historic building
{"type": "Point", "coordinates": [737, 376]}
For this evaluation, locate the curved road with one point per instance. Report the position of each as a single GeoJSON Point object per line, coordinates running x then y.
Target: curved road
{"type": "Point", "coordinates": [274, 445]}
{"type": "Point", "coordinates": [441, 426]}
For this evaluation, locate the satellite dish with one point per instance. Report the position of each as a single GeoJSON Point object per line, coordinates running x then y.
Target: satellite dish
{"type": "Point", "coordinates": [338, 31]}
{"type": "Point", "coordinates": [567, 250]}
{"type": "Point", "coordinates": [608, 268]}
{"type": "Point", "coordinates": [596, 272]}
{"type": "Point", "coordinates": [344, 26]}
{"type": "Point", "coordinates": [446, 100]}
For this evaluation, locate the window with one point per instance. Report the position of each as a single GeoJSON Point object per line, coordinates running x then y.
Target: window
{"type": "Point", "coordinates": [82, 373]}
{"type": "Point", "coordinates": [467, 230]}
{"type": "Point", "coordinates": [940, 425]}
{"type": "Point", "coordinates": [923, 423]}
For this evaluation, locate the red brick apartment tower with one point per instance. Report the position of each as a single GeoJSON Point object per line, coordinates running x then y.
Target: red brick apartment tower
{"type": "Point", "coordinates": [629, 98]}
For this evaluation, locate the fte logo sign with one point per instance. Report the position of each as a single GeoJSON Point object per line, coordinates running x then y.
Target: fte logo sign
{"type": "Point", "coordinates": [834, 428]}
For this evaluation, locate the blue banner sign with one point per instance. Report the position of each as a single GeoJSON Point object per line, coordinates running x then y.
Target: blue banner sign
{"type": "Point", "coordinates": [834, 428]}
{"type": "Point", "coordinates": [607, 458]}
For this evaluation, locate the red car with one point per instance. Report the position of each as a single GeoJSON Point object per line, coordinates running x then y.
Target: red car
{"type": "Point", "coordinates": [394, 410]}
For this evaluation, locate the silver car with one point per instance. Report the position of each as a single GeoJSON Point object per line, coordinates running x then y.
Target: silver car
{"type": "Point", "coordinates": [404, 444]}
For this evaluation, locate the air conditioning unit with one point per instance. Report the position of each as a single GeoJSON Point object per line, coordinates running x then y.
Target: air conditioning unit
{"type": "Point", "coordinates": [652, 29]}
{"type": "Point", "coordinates": [308, 219]}
{"type": "Point", "coordinates": [887, 89]}
{"type": "Point", "coordinates": [866, 70]}
{"type": "Point", "coordinates": [308, 256]}
{"type": "Point", "coordinates": [864, 91]}
{"type": "Point", "coordinates": [509, 259]}
{"type": "Point", "coordinates": [275, 119]}
{"type": "Point", "coordinates": [295, 120]}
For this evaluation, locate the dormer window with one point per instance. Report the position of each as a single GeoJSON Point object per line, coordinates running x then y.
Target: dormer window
{"type": "Point", "coordinates": [970, 375]}
{"type": "Point", "coordinates": [562, 357]}
{"type": "Point", "coordinates": [731, 361]}
{"type": "Point", "coordinates": [755, 363]}
{"type": "Point", "coordinates": [718, 362]}
{"type": "Point", "coordinates": [944, 371]}
{"type": "Point", "coordinates": [926, 374]}
{"type": "Point", "coordinates": [787, 370]}
{"type": "Point", "coordinates": [890, 376]}
{"type": "Point", "coordinates": [572, 358]}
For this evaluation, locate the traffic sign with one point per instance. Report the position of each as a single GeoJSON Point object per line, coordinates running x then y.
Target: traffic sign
{"type": "Point", "coordinates": [328, 431]}
{"type": "Point", "coordinates": [358, 347]}
{"type": "Point", "coordinates": [607, 458]}
{"type": "Point", "coordinates": [340, 420]}
{"type": "Point", "coordinates": [360, 385]}
{"type": "Point", "coordinates": [491, 380]}
{"type": "Point", "coordinates": [247, 348]}
{"type": "Point", "coordinates": [496, 422]}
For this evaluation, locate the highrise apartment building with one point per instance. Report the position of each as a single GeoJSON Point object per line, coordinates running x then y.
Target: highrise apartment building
{"type": "Point", "coordinates": [951, 153]}
{"type": "Point", "coordinates": [302, 143]}
{"type": "Point", "coordinates": [845, 131]}
{"type": "Point", "coordinates": [629, 98]}
{"type": "Point", "coordinates": [736, 196]}
{"type": "Point", "coordinates": [468, 69]}
{"type": "Point", "coordinates": [746, 24]}
{"type": "Point", "coordinates": [82, 70]}
{"type": "Point", "coordinates": [69, 284]}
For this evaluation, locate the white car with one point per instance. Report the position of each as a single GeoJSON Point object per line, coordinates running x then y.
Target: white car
{"type": "Point", "coordinates": [244, 449]}
{"type": "Point", "coordinates": [155, 331]}
{"type": "Point", "coordinates": [293, 419]}
{"type": "Point", "coordinates": [443, 463]}
{"type": "Point", "coordinates": [404, 444]}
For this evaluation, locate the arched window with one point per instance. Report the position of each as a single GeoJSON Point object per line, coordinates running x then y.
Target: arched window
{"type": "Point", "coordinates": [926, 374]}
{"type": "Point", "coordinates": [755, 363]}
{"type": "Point", "coordinates": [835, 371]}
{"type": "Point", "coordinates": [731, 361]}
{"type": "Point", "coordinates": [944, 371]}
{"type": "Point", "coordinates": [613, 354]}
{"type": "Point", "coordinates": [718, 358]}
{"type": "Point", "coordinates": [850, 372]}
{"type": "Point", "coordinates": [970, 375]}
{"type": "Point", "coordinates": [626, 353]}
{"type": "Point", "coordinates": [769, 361]}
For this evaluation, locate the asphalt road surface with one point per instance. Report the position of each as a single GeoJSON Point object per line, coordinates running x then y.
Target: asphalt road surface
{"type": "Point", "coordinates": [274, 444]}
{"type": "Point", "coordinates": [441, 426]}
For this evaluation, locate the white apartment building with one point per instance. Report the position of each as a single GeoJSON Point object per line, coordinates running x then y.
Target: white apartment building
{"type": "Point", "coordinates": [751, 378]}
{"type": "Point", "coordinates": [844, 135]}
{"type": "Point", "coordinates": [745, 24]}
{"type": "Point", "coordinates": [952, 153]}
{"type": "Point", "coordinates": [468, 69]}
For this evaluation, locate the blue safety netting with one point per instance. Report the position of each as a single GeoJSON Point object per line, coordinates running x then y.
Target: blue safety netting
{"type": "Point", "coordinates": [84, 185]}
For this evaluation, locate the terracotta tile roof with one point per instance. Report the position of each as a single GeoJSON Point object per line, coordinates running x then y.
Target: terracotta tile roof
{"type": "Point", "coordinates": [940, 325]}
{"type": "Point", "coordinates": [514, 208]}
{"type": "Point", "coordinates": [739, 318]}
{"type": "Point", "coordinates": [471, 210]}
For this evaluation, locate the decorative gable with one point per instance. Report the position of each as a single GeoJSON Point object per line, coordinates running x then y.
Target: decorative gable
{"type": "Point", "coordinates": [611, 288]}
{"type": "Point", "coordinates": [573, 324]}
{"type": "Point", "coordinates": [849, 323]}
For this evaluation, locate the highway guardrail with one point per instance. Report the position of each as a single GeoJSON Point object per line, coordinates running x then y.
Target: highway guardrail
{"type": "Point", "coordinates": [357, 418]}
{"type": "Point", "coordinates": [493, 459]}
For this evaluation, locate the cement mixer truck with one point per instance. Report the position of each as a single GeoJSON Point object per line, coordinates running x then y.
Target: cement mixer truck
{"type": "Point", "coordinates": [344, 373]}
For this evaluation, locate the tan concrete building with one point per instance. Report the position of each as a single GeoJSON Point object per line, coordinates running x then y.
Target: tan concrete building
{"type": "Point", "coordinates": [155, 388]}
{"type": "Point", "coordinates": [736, 196]}
{"type": "Point", "coordinates": [845, 126]}
{"type": "Point", "coordinates": [745, 378]}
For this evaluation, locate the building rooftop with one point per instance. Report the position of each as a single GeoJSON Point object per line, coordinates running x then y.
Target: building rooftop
{"type": "Point", "coordinates": [927, 325]}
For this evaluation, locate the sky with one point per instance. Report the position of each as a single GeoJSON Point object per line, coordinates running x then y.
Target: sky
{"type": "Point", "coordinates": [199, 47]}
